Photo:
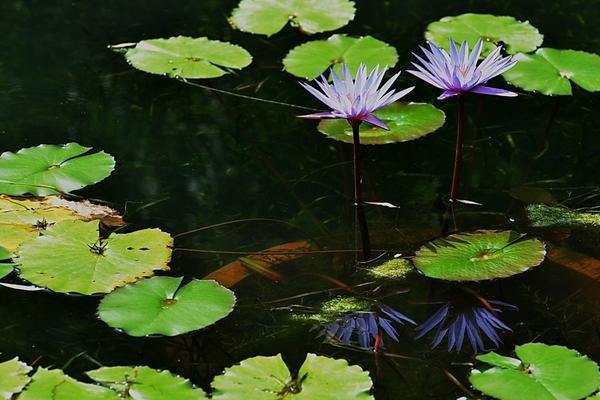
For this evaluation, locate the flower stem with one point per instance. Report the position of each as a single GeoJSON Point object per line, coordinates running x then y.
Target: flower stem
{"type": "Point", "coordinates": [358, 200]}
{"type": "Point", "coordinates": [459, 147]}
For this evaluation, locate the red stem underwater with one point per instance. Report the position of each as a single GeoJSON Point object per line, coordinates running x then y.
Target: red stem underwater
{"type": "Point", "coordinates": [459, 147]}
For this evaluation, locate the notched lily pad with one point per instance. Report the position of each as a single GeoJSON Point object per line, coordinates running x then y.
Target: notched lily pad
{"type": "Point", "coordinates": [517, 36]}
{"type": "Point", "coordinates": [160, 305]}
{"type": "Point", "coordinates": [54, 384]}
{"type": "Point", "coordinates": [70, 257]}
{"type": "Point", "coordinates": [268, 378]}
{"type": "Point", "coordinates": [266, 17]}
{"type": "Point", "coordinates": [144, 383]}
{"type": "Point", "coordinates": [407, 121]}
{"type": "Point", "coordinates": [479, 256]}
{"type": "Point", "coordinates": [541, 372]}
{"type": "Point", "coordinates": [310, 59]}
{"type": "Point", "coordinates": [13, 377]}
{"type": "Point", "coordinates": [23, 219]}
{"type": "Point", "coordinates": [550, 71]}
{"type": "Point", "coordinates": [186, 57]}
{"type": "Point", "coordinates": [49, 169]}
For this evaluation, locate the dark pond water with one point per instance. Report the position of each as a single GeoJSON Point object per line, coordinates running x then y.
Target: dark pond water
{"type": "Point", "coordinates": [188, 158]}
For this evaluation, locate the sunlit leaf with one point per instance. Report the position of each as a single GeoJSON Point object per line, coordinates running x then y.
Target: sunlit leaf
{"type": "Point", "coordinates": [407, 121]}
{"type": "Point", "coordinates": [515, 35]}
{"type": "Point", "coordinates": [13, 377]}
{"type": "Point", "coordinates": [267, 378]}
{"type": "Point", "coordinates": [50, 169]}
{"type": "Point", "coordinates": [143, 383]}
{"type": "Point", "coordinates": [549, 71]}
{"type": "Point", "coordinates": [161, 305]}
{"type": "Point", "coordinates": [23, 219]}
{"type": "Point", "coordinates": [55, 385]}
{"type": "Point", "coordinates": [479, 256]}
{"type": "Point", "coordinates": [69, 257]}
{"type": "Point", "coordinates": [266, 17]}
{"type": "Point", "coordinates": [544, 373]}
{"type": "Point", "coordinates": [186, 57]}
{"type": "Point", "coordinates": [310, 59]}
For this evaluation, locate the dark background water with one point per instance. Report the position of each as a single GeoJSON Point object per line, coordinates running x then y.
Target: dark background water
{"type": "Point", "coordinates": [188, 158]}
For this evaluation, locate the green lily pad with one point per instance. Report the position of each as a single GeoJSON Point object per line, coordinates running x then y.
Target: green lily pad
{"type": "Point", "coordinates": [266, 17]}
{"type": "Point", "coordinates": [6, 269]}
{"type": "Point", "coordinates": [544, 373]}
{"type": "Point", "coordinates": [160, 305]}
{"type": "Point", "coordinates": [310, 59]}
{"type": "Point", "coordinates": [23, 219]}
{"type": "Point", "coordinates": [407, 121]}
{"type": "Point", "coordinates": [144, 383]}
{"type": "Point", "coordinates": [479, 256]}
{"type": "Point", "coordinates": [50, 169]}
{"type": "Point", "coordinates": [186, 57]}
{"type": "Point", "coordinates": [5, 254]}
{"type": "Point", "coordinates": [268, 378]}
{"type": "Point", "coordinates": [55, 385]}
{"type": "Point", "coordinates": [69, 257]}
{"type": "Point", "coordinates": [549, 71]}
{"type": "Point", "coordinates": [13, 377]}
{"type": "Point", "coordinates": [516, 36]}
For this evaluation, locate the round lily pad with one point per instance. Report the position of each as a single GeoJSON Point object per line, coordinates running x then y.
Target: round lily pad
{"type": "Point", "coordinates": [160, 305]}
{"type": "Point", "coordinates": [266, 17]}
{"type": "Point", "coordinates": [310, 59]}
{"type": "Point", "coordinates": [407, 121]}
{"type": "Point", "coordinates": [517, 36]}
{"type": "Point", "coordinates": [13, 377]}
{"type": "Point", "coordinates": [541, 372]}
{"type": "Point", "coordinates": [549, 71]}
{"type": "Point", "coordinates": [54, 384]}
{"type": "Point", "coordinates": [4, 254]}
{"type": "Point", "coordinates": [50, 169]}
{"type": "Point", "coordinates": [268, 378]}
{"type": "Point", "coordinates": [479, 256]}
{"type": "Point", "coordinates": [186, 57]}
{"type": "Point", "coordinates": [69, 257]}
{"type": "Point", "coordinates": [144, 383]}
{"type": "Point", "coordinates": [23, 219]}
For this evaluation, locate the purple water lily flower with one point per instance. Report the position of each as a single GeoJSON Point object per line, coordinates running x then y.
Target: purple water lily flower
{"type": "Point", "coordinates": [458, 72]}
{"type": "Point", "coordinates": [365, 329]}
{"type": "Point", "coordinates": [474, 322]}
{"type": "Point", "coordinates": [355, 99]}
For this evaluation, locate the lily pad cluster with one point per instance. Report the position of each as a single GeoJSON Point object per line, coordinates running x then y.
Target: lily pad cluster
{"type": "Point", "coordinates": [260, 378]}
{"type": "Point", "coordinates": [548, 71]}
{"type": "Point", "coordinates": [540, 372]}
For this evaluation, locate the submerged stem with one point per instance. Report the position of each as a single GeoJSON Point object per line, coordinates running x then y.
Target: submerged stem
{"type": "Point", "coordinates": [358, 200]}
{"type": "Point", "coordinates": [459, 146]}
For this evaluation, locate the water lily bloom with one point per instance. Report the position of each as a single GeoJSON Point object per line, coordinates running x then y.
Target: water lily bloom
{"type": "Point", "coordinates": [365, 328]}
{"type": "Point", "coordinates": [355, 99]}
{"type": "Point", "coordinates": [474, 322]}
{"type": "Point", "coordinates": [458, 72]}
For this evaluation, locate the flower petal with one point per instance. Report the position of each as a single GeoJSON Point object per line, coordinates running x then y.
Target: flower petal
{"type": "Point", "coordinates": [447, 93]}
{"type": "Point", "coordinates": [493, 91]}
{"type": "Point", "coordinates": [373, 120]}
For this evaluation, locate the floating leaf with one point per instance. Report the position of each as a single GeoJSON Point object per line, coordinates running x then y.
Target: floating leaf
{"type": "Point", "coordinates": [186, 57]}
{"type": "Point", "coordinates": [69, 257]}
{"type": "Point", "coordinates": [143, 383]}
{"type": "Point", "coordinates": [479, 255]}
{"type": "Point", "coordinates": [311, 59]}
{"type": "Point", "coordinates": [516, 36]}
{"type": "Point", "coordinates": [542, 372]}
{"type": "Point", "coordinates": [4, 254]}
{"type": "Point", "coordinates": [5, 269]}
{"type": "Point", "coordinates": [23, 219]}
{"type": "Point", "coordinates": [407, 121]}
{"type": "Point", "coordinates": [13, 377]}
{"type": "Point", "coordinates": [549, 71]}
{"type": "Point", "coordinates": [50, 169]}
{"type": "Point", "coordinates": [267, 378]}
{"type": "Point", "coordinates": [160, 305]}
{"type": "Point", "coordinates": [266, 17]}
{"type": "Point", "coordinates": [55, 385]}
{"type": "Point", "coordinates": [397, 268]}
